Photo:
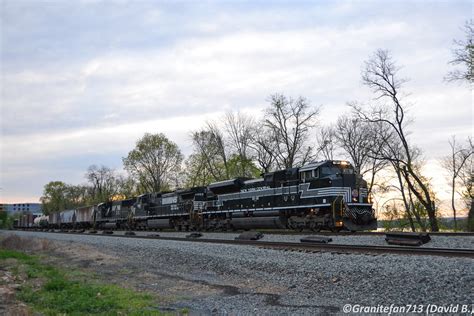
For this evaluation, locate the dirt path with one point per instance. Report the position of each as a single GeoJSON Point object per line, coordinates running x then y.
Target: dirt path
{"type": "Point", "coordinates": [102, 267]}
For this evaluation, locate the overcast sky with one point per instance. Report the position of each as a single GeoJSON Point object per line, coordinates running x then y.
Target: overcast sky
{"type": "Point", "coordinates": [81, 81]}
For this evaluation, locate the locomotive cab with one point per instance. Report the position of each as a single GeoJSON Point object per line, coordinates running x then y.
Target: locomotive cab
{"type": "Point", "coordinates": [340, 194]}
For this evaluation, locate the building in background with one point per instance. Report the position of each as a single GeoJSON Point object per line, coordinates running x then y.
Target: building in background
{"type": "Point", "coordinates": [33, 208]}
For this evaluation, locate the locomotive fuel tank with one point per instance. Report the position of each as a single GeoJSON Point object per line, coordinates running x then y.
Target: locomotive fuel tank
{"type": "Point", "coordinates": [274, 222]}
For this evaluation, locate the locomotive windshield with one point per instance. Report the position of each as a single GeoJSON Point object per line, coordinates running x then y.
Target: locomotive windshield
{"type": "Point", "coordinates": [326, 171]}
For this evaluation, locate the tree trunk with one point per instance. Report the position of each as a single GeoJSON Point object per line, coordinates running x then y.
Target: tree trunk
{"type": "Point", "coordinates": [405, 202]}
{"type": "Point", "coordinates": [427, 203]}
{"type": "Point", "coordinates": [417, 215]}
{"type": "Point", "coordinates": [470, 217]}
{"type": "Point", "coordinates": [453, 187]}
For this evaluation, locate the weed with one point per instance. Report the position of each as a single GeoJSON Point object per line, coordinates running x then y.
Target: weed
{"type": "Point", "coordinates": [60, 293]}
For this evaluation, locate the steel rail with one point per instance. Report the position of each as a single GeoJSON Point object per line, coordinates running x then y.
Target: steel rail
{"type": "Point", "coordinates": [307, 247]}
{"type": "Point", "coordinates": [365, 233]}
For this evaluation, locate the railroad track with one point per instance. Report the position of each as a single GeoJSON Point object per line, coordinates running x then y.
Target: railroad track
{"type": "Point", "coordinates": [304, 247]}
{"type": "Point", "coordinates": [328, 233]}
{"type": "Point", "coordinates": [348, 233]}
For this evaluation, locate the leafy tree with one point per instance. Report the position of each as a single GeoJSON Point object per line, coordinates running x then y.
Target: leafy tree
{"type": "Point", "coordinates": [154, 163]}
{"type": "Point", "coordinates": [210, 153]}
{"type": "Point", "coordinates": [127, 186]}
{"type": "Point", "coordinates": [78, 194]}
{"type": "Point", "coordinates": [56, 197]}
{"type": "Point", "coordinates": [197, 173]}
{"type": "Point", "coordinates": [3, 219]}
{"type": "Point", "coordinates": [237, 164]}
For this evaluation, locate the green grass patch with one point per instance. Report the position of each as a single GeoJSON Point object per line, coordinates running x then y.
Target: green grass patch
{"type": "Point", "coordinates": [63, 293]}
{"type": "Point", "coordinates": [7, 254]}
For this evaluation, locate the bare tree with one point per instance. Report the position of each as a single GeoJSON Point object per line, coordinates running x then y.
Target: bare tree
{"type": "Point", "coordinates": [290, 122]}
{"type": "Point", "coordinates": [327, 141]}
{"type": "Point", "coordinates": [240, 130]}
{"type": "Point", "coordinates": [264, 148]}
{"type": "Point", "coordinates": [454, 163]}
{"type": "Point", "coordinates": [380, 74]}
{"type": "Point", "coordinates": [466, 179]}
{"type": "Point", "coordinates": [210, 152]}
{"type": "Point", "coordinates": [363, 142]}
{"type": "Point", "coordinates": [463, 55]}
{"type": "Point", "coordinates": [103, 183]}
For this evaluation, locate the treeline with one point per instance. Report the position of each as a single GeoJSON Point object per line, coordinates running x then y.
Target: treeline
{"type": "Point", "coordinates": [373, 135]}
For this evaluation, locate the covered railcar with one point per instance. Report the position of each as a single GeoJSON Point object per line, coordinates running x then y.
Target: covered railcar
{"type": "Point", "coordinates": [54, 220]}
{"type": "Point", "coordinates": [67, 219]}
{"type": "Point", "coordinates": [85, 216]}
{"type": "Point", "coordinates": [41, 221]}
{"type": "Point", "coordinates": [26, 221]}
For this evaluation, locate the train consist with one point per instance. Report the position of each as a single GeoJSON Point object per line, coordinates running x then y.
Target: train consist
{"type": "Point", "coordinates": [321, 195]}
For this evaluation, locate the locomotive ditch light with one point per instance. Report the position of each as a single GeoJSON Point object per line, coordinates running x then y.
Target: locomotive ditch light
{"type": "Point", "coordinates": [369, 198]}
{"type": "Point", "coordinates": [339, 224]}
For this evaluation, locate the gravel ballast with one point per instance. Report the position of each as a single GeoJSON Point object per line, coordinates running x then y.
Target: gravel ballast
{"type": "Point", "coordinates": [373, 240]}
{"type": "Point", "coordinates": [251, 280]}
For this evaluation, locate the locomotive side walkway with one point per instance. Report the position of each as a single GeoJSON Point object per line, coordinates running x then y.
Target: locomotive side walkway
{"type": "Point", "coordinates": [248, 280]}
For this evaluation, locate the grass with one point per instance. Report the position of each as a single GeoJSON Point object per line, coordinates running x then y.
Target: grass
{"type": "Point", "coordinates": [72, 293]}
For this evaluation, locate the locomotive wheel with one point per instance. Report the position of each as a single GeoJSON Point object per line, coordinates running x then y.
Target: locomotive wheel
{"type": "Point", "coordinates": [295, 226]}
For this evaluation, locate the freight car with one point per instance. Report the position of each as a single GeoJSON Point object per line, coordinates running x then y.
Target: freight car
{"type": "Point", "coordinates": [321, 195]}
{"type": "Point", "coordinates": [85, 217]}
{"type": "Point", "coordinates": [41, 221]}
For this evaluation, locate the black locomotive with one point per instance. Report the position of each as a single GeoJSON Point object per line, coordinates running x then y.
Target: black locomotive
{"type": "Point", "coordinates": [320, 195]}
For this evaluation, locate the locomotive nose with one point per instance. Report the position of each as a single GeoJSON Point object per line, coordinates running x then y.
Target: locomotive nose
{"type": "Point", "coordinates": [364, 218]}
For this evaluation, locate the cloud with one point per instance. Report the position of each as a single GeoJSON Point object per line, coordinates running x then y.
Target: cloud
{"type": "Point", "coordinates": [81, 81]}
{"type": "Point", "coordinates": [194, 76]}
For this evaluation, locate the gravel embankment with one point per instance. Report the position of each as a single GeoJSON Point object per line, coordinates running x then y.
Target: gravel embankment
{"type": "Point", "coordinates": [261, 281]}
{"type": "Point", "coordinates": [375, 240]}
